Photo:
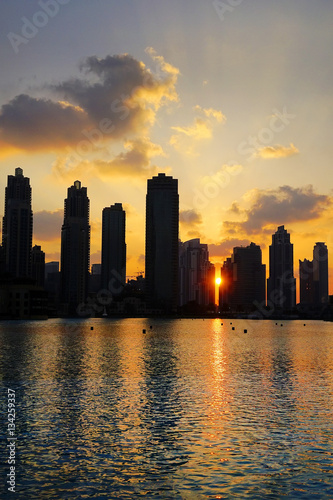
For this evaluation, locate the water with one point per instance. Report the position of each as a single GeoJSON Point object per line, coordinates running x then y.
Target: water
{"type": "Point", "coordinates": [189, 410]}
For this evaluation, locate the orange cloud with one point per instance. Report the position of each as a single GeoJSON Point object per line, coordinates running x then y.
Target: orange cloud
{"type": "Point", "coordinates": [278, 151]}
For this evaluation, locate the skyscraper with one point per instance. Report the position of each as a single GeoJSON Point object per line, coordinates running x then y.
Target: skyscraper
{"type": "Point", "coordinates": [196, 274]}
{"type": "Point", "coordinates": [38, 265]}
{"type": "Point", "coordinates": [113, 249]}
{"type": "Point", "coordinates": [281, 284]}
{"type": "Point", "coordinates": [162, 219]}
{"type": "Point", "coordinates": [314, 278]}
{"type": "Point", "coordinates": [243, 279]}
{"type": "Point", "coordinates": [75, 248]}
{"type": "Point", "coordinates": [17, 225]}
{"type": "Point", "coordinates": [306, 288]}
{"type": "Point", "coordinates": [320, 274]}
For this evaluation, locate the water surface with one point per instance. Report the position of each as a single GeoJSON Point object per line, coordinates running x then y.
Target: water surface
{"type": "Point", "coordinates": [191, 409]}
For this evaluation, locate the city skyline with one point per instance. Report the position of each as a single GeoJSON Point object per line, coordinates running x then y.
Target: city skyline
{"type": "Point", "coordinates": [176, 270]}
{"type": "Point", "coordinates": [245, 127]}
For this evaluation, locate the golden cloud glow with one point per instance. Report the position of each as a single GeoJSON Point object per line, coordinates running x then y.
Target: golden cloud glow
{"type": "Point", "coordinates": [277, 151]}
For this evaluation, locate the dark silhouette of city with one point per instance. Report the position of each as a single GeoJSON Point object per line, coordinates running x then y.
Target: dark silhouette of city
{"type": "Point", "coordinates": [179, 277]}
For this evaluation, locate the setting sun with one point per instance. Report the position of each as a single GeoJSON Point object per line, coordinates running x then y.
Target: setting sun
{"type": "Point", "coordinates": [218, 281]}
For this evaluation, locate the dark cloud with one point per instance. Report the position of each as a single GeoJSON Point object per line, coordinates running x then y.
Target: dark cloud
{"type": "Point", "coordinates": [36, 124]}
{"type": "Point", "coordinates": [225, 248]}
{"type": "Point", "coordinates": [190, 217]}
{"type": "Point", "coordinates": [47, 225]}
{"type": "Point", "coordinates": [280, 206]}
{"type": "Point", "coordinates": [115, 97]}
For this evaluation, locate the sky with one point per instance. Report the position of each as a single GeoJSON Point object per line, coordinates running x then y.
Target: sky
{"type": "Point", "coordinates": [231, 97]}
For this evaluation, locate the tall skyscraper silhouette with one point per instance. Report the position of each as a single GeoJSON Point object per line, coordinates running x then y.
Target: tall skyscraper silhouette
{"type": "Point", "coordinates": [162, 220]}
{"type": "Point", "coordinates": [196, 274]}
{"type": "Point", "coordinates": [17, 225]}
{"type": "Point", "coordinates": [306, 287]}
{"type": "Point", "coordinates": [38, 265]}
{"type": "Point", "coordinates": [113, 248]}
{"type": "Point", "coordinates": [243, 279]}
{"type": "Point", "coordinates": [75, 248]}
{"type": "Point", "coordinates": [320, 273]}
{"type": "Point", "coordinates": [314, 278]}
{"type": "Point", "coordinates": [281, 284]}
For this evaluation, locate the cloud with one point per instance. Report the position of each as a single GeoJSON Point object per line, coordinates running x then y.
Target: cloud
{"type": "Point", "coordinates": [37, 124]}
{"type": "Point", "coordinates": [202, 128]}
{"type": "Point", "coordinates": [278, 151]}
{"type": "Point", "coordinates": [134, 162]}
{"type": "Point", "coordinates": [211, 113]}
{"type": "Point", "coordinates": [190, 217]}
{"type": "Point", "coordinates": [279, 206]}
{"type": "Point", "coordinates": [191, 224]}
{"type": "Point", "coordinates": [47, 225]}
{"type": "Point", "coordinates": [225, 247]}
{"type": "Point", "coordinates": [114, 98]}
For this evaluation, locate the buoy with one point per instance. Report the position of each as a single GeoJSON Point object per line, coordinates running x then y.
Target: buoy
{"type": "Point", "coordinates": [245, 331]}
{"type": "Point", "coordinates": [91, 328]}
{"type": "Point", "coordinates": [281, 324]}
{"type": "Point", "coordinates": [304, 324]}
{"type": "Point", "coordinates": [233, 328]}
{"type": "Point", "coordinates": [221, 323]}
{"type": "Point", "coordinates": [143, 331]}
{"type": "Point", "coordinates": [151, 327]}
{"type": "Point", "coordinates": [231, 323]}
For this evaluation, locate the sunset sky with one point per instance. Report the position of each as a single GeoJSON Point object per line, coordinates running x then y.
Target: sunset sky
{"type": "Point", "coordinates": [233, 98]}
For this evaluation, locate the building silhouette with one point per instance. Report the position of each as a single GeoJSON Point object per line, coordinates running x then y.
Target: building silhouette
{"type": "Point", "coordinates": [75, 248]}
{"type": "Point", "coordinates": [314, 278]}
{"type": "Point", "coordinates": [162, 220]}
{"type": "Point", "coordinates": [243, 279]}
{"type": "Point", "coordinates": [196, 274]}
{"type": "Point", "coordinates": [320, 274]}
{"type": "Point", "coordinates": [113, 272]}
{"type": "Point", "coordinates": [17, 226]}
{"type": "Point", "coordinates": [38, 265]}
{"type": "Point", "coordinates": [281, 284]}
{"type": "Point", "coordinates": [306, 287]}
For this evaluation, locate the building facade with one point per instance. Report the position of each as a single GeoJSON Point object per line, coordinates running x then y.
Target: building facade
{"type": "Point", "coordinates": [17, 226]}
{"type": "Point", "coordinates": [113, 270]}
{"type": "Point", "coordinates": [75, 248]}
{"type": "Point", "coordinates": [196, 274]}
{"type": "Point", "coordinates": [314, 278]}
{"type": "Point", "coordinates": [243, 280]}
{"type": "Point", "coordinates": [281, 284]}
{"type": "Point", "coordinates": [162, 220]}
{"type": "Point", "coordinates": [38, 265]}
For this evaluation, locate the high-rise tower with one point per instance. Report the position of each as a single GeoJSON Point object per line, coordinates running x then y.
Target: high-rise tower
{"type": "Point", "coordinates": [243, 279]}
{"type": "Point", "coordinates": [196, 274]}
{"type": "Point", "coordinates": [162, 219]}
{"type": "Point", "coordinates": [113, 249]}
{"type": "Point", "coordinates": [320, 273]}
{"type": "Point", "coordinates": [314, 278]}
{"type": "Point", "coordinates": [281, 284]}
{"type": "Point", "coordinates": [17, 225]}
{"type": "Point", "coordinates": [75, 248]}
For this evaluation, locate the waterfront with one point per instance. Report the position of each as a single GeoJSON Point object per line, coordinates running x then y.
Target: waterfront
{"type": "Point", "coordinates": [191, 409]}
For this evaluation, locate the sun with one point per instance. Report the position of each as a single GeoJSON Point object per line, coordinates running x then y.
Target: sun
{"type": "Point", "coordinates": [218, 281]}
